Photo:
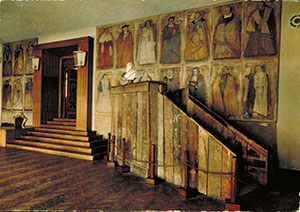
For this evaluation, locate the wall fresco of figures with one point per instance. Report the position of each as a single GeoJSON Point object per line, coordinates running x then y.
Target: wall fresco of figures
{"type": "Point", "coordinates": [17, 78]}
{"type": "Point", "coordinates": [226, 55]}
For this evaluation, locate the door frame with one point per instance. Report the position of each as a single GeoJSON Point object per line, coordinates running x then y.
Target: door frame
{"type": "Point", "coordinates": [84, 82]}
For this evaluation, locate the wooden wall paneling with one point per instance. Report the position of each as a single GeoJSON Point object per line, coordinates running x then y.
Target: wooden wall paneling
{"type": "Point", "coordinates": [145, 129]}
{"type": "Point", "coordinates": [84, 88]}
{"type": "Point", "coordinates": [125, 110]}
{"type": "Point", "coordinates": [177, 146]}
{"type": "Point", "coordinates": [160, 136]}
{"type": "Point", "coordinates": [133, 125]}
{"type": "Point", "coordinates": [37, 92]}
{"type": "Point", "coordinates": [193, 144]}
{"type": "Point", "coordinates": [226, 178]}
{"type": "Point", "coordinates": [119, 125]}
{"type": "Point", "coordinates": [203, 160]}
{"type": "Point", "coordinates": [140, 127]}
{"type": "Point", "coordinates": [184, 136]}
{"type": "Point", "coordinates": [214, 165]}
{"type": "Point", "coordinates": [168, 121]}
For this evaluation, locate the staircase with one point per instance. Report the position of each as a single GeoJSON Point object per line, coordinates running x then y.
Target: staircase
{"type": "Point", "coordinates": [60, 137]}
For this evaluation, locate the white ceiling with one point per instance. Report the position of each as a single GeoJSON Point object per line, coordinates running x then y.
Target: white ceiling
{"type": "Point", "coordinates": [22, 19]}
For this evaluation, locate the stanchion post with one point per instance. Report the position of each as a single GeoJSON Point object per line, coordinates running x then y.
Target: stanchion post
{"type": "Point", "coordinates": [112, 163]}
{"type": "Point", "coordinates": [124, 168]}
{"type": "Point", "coordinates": [151, 176]}
{"type": "Point", "coordinates": [106, 157]}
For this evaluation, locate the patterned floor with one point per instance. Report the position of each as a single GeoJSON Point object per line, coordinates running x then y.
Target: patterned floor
{"type": "Point", "coordinates": [35, 181]}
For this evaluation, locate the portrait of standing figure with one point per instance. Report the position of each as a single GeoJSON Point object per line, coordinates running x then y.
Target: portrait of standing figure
{"type": "Point", "coordinates": [224, 94]}
{"type": "Point", "coordinates": [261, 29]}
{"type": "Point", "coordinates": [29, 47]}
{"type": "Point", "coordinates": [146, 52]}
{"type": "Point", "coordinates": [124, 47]}
{"type": "Point", "coordinates": [28, 94]}
{"type": "Point", "coordinates": [105, 49]}
{"type": "Point", "coordinates": [18, 68]}
{"type": "Point", "coordinates": [7, 94]}
{"type": "Point", "coordinates": [258, 101]}
{"type": "Point", "coordinates": [103, 95]}
{"type": "Point", "coordinates": [7, 60]}
{"type": "Point", "coordinates": [171, 42]}
{"type": "Point", "coordinates": [18, 94]}
{"type": "Point", "coordinates": [197, 85]}
{"type": "Point", "coordinates": [197, 44]}
{"type": "Point", "coordinates": [227, 35]}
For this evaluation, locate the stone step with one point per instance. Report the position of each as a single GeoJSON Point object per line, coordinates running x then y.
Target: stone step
{"type": "Point", "coordinates": [57, 152]}
{"type": "Point", "coordinates": [64, 136]}
{"type": "Point", "coordinates": [62, 131]}
{"type": "Point", "coordinates": [63, 123]}
{"type": "Point", "coordinates": [64, 119]}
{"type": "Point", "coordinates": [58, 127]}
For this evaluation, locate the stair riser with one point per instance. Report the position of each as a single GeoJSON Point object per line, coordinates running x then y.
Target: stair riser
{"type": "Point", "coordinates": [58, 127]}
{"type": "Point", "coordinates": [53, 152]}
{"type": "Point", "coordinates": [57, 141]}
{"type": "Point", "coordinates": [61, 131]}
{"type": "Point", "coordinates": [64, 120]}
{"type": "Point", "coordinates": [54, 146]}
{"type": "Point", "coordinates": [61, 123]}
{"type": "Point", "coordinates": [61, 136]}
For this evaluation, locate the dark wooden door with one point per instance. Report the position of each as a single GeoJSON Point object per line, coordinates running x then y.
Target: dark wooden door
{"type": "Point", "coordinates": [69, 91]}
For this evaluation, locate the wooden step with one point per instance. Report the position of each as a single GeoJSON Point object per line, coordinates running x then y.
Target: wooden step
{"type": "Point", "coordinates": [57, 141]}
{"type": "Point", "coordinates": [56, 152]}
{"type": "Point", "coordinates": [63, 123]}
{"type": "Point", "coordinates": [64, 119]}
{"type": "Point", "coordinates": [54, 146]}
{"type": "Point", "coordinates": [58, 127]}
{"type": "Point", "coordinates": [62, 131]}
{"type": "Point", "coordinates": [64, 136]}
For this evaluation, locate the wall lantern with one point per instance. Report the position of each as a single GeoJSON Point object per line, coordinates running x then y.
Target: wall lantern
{"type": "Point", "coordinates": [79, 58]}
{"type": "Point", "coordinates": [34, 63]}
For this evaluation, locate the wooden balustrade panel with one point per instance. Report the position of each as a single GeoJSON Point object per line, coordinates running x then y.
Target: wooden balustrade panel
{"type": "Point", "coordinates": [168, 147]}
{"type": "Point", "coordinates": [214, 168]}
{"type": "Point", "coordinates": [203, 160]}
{"type": "Point", "coordinates": [160, 136]}
{"type": "Point", "coordinates": [177, 114]}
{"type": "Point", "coordinates": [184, 136]}
{"type": "Point", "coordinates": [193, 152]}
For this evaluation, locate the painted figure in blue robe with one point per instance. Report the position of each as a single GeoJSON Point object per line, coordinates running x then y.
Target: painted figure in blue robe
{"type": "Point", "coordinates": [171, 42]}
{"type": "Point", "coordinates": [197, 87]}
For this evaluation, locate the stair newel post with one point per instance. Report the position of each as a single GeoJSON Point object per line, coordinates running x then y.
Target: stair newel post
{"type": "Point", "coordinates": [151, 176]}
{"type": "Point", "coordinates": [112, 163]}
{"type": "Point", "coordinates": [123, 168]}
{"type": "Point", "coordinates": [106, 157]}
{"type": "Point", "coordinates": [185, 190]}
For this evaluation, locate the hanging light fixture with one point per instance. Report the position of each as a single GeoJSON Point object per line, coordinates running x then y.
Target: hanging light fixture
{"type": "Point", "coordinates": [34, 63]}
{"type": "Point", "coordinates": [79, 58]}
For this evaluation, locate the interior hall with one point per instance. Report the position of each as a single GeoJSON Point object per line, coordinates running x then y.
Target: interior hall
{"type": "Point", "coordinates": [149, 105]}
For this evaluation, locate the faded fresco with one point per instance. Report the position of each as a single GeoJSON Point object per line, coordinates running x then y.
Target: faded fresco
{"type": "Point", "coordinates": [7, 60]}
{"type": "Point", "coordinates": [105, 48]}
{"type": "Point", "coordinates": [196, 80]}
{"type": "Point", "coordinates": [171, 38]}
{"type": "Point", "coordinates": [211, 51]}
{"type": "Point", "coordinates": [125, 45]}
{"type": "Point", "coordinates": [17, 81]}
{"type": "Point", "coordinates": [18, 94]}
{"type": "Point", "coordinates": [28, 93]}
{"type": "Point", "coordinates": [262, 28]}
{"type": "Point", "coordinates": [197, 35]}
{"type": "Point", "coordinates": [147, 42]}
{"type": "Point", "coordinates": [103, 101]}
{"type": "Point", "coordinates": [225, 89]}
{"type": "Point", "coordinates": [227, 31]}
{"type": "Point", "coordinates": [260, 89]}
{"type": "Point", "coordinates": [7, 93]}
